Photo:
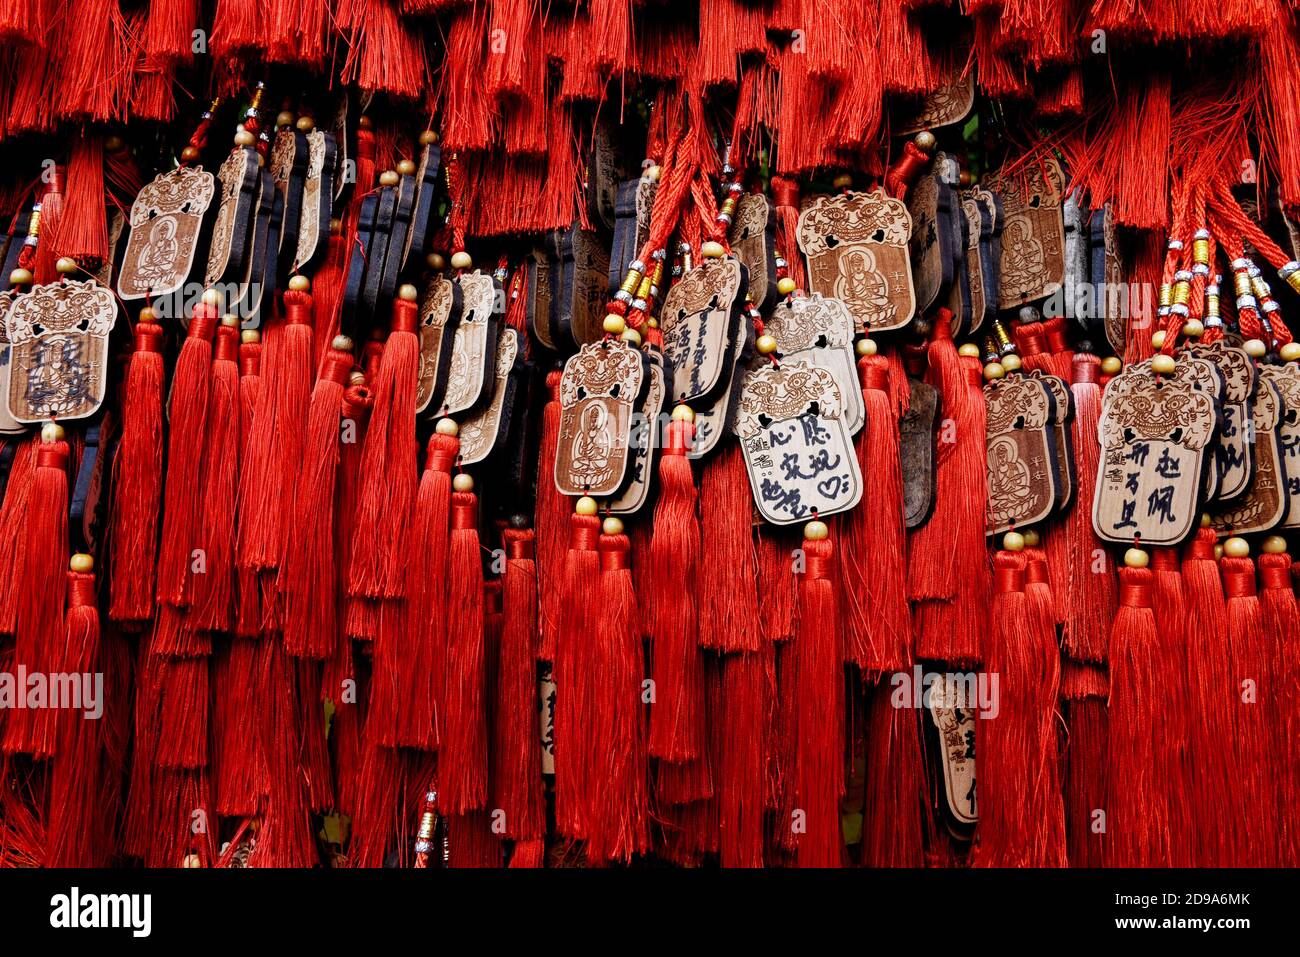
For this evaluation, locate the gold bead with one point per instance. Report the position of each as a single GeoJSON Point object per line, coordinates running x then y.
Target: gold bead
{"type": "Point", "coordinates": [250, 336]}
{"type": "Point", "coordinates": [83, 564]}
{"type": "Point", "coordinates": [428, 138]}
{"type": "Point", "coordinates": [925, 140]}
{"type": "Point", "coordinates": [447, 426]}
{"type": "Point", "coordinates": [51, 432]}
{"type": "Point", "coordinates": [1236, 547]}
{"type": "Point", "coordinates": [462, 482]}
{"type": "Point", "coordinates": [1011, 362]}
{"type": "Point", "coordinates": [1290, 352]}
{"type": "Point", "coordinates": [407, 292]}
{"type": "Point", "coordinates": [189, 154]}
{"type": "Point", "coordinates": [1137, 558]}
{"type": "Point", "coordinates": [245, 139]}
{"type": "Point", "coordinates": [65, 265]}
{"type": "Point", "coordinates": [1205, 520]}
{"type": "Point", "coordinates": [1013, 542]}
{"type": "Point", "coordinates": [406, 167]}
{"type": "Point", "coordinates": [653, 174]}
{"type": "Point", "coordinates": [612, 526]}
{"type": "Point", "coordinates": [585, 505]}
{"type": "Point", "coordinates": [683, 413]}
{"type": "Point", "coordinates": [212, 297]}
{"type": "Point", "coordinates": [299, 283]}
{"type": "Point", "coordinates": [843, 181]}
{"type": "Point", "coordinates": [1274, 545]}
{"type": "Point", "coordinates": [1255, 348]}
{"type": "Point", "coordinates": [389, 177]}
{"type": "Point", "coordinates": [969, 349]}
{"type": "Point", "coordinates": [20, 277]}
{"type": "Point", "coordinates": [436, 261]}
{"type": "Point", "coordinates": [305, 124]}
{"type": "Point", "coordinates": [1031, 538]}
{"type": "Point", "coordinates": [1163, 364]}
{"type": "Point", "coordinates": [1193, 328]}
{"type": "Point", "coordinates": [146, 314]}
{"type": "Point", "coordinates": [866, 346]}
{"type": "Point", "coordinates": [357, 377]}
{"type": "Point", "coordinates": [1158, 340]}
{"type": "Point", "coordinates": [461, 260]}
{"type": "Point", "coordinates": [341, 344]}
{"type": "Point", "coordinates": [785, 285]}
{"type": "Point", "coordinates": [994, 370]}
{"type": "Point", "coordinates": [631, 335]}
{"type": "Point", "coordinates": [192, 860]}
{"type": "Point", "coordinates": [284, 119]}
{"type": "Point", "coordinates": [614, 324]}
{"type": "Point", "coordinates": [816, 531]}
{"type": "Point", "coordinates": [765, 344]}
{"type": "Point", "coordinates": [712, 249]}
{"type": "Point", "coordinates": [1111, 365]}
{"type": "Point", "coordinates": [1218, 552]}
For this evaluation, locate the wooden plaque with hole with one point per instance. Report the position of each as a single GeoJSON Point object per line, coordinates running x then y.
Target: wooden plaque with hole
{"type": "Point", "coordinates": [439, 317]}
{"type": "Point", "coordinates": [1233, 452]}
{"type": "Point", "coordinates": [166, 224]}
{"type": "Point", "coordinates": [1265, 504]}
{"type": "Point", "coordinates": [698, 325]}
{"type": "Point", "coordinates": [1033, 232]}
{"type": "Point", "coordinates": [1286, 379]}
{"type": "Point", "coordinates": [1022, 465]}
{"type": "Point", "coordinates": [643, 442]}
{"type": "Point", "coordinates": [820, 331]}
{"type": "Point", "coordinates": [480, 434]}
{"type": "Point", "coordinates": [473, 345]}
{"type": "Point", "coordinates": [598, 391]}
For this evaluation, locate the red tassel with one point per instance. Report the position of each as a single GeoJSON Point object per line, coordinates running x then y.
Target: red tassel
{"type": "Point", "coordinates": [1138, 823]}
{"type": "Point", "coordinates": [327, 293]}
{"type": "Point", "coordinates": [187, 416]}
{"type": "Point", "coordinates": [74, 784]}
{"type": "Point", "coordinates": [552, 525]}
{"type": "Point", "coordinates": [819, 712]}
{"type": "Point", "coordinates": [1282, 630]}
{"type": "Point", "coordinates": [777, 583]}
{"type": "Point", "coordinates": [83, 230]}
{"type": "Point", "coordinates": [299, 32]}
{"type": "Point", "coordinates": [742, 773]}
{"type": "Point", "coordinates": [516, 757]}
{"type": "Point", "coordinates": [248, 610]}
{"type": "Point", "coordinates": [137, 479]}
{"type": "Point", "coordinates": [357, 403]}
{"type": "Point", "coordinates": [309, 575]}
{"type": "Point", "coordinates": [1022, 818]}
{"type": "Point", "coordinates": [182, 712]}
{"type": "Point", "coordinates": [1210, 696]}
{"type": "Point", "coordinates": [388, 466]}
{"type": "Point", "coordinates": [677, 718]}
{"type": "Point", "coordinates": [1091, 580]}
{"type": "Point", "coordinates": [471, 842]}
{"type": "Point", "coordinates": [785, 197]}
{"type": "Point", "coordinates": [51, 212]}
{"type": "Point", "coordinates": [285, 838]}
{"type": "Point", "coordinates": [240, 775]}
{"type": "Point", "coordinates": [728, 582]}
{"type": "Point", "coordinates": [574, 637]}
{"type": "Point", "coordinates": [1169, 604]}
{"type": "Point", "coordinates": [41, 587]}
{"type": "Point", "coordinates": [214, 589]}
{"type": "Point", "coordinates": [894, 823]}
{"type": "Point", "coordinates": [1254, 691]}
{"type": "Point", "coordinates": [618, 827]}
{"type": "Point", "coordinates": [1084, 688]}
{"type": "Point", "coordinates": [418, 692]}
{"type": "Point", "coordinates": [463, 761]}
{"type": "Point", "coordinates": [529, 854]}
{"type": "Point", "coordinates": [878, 627]}
{"type": "Point", "coordinates": [13, 532]}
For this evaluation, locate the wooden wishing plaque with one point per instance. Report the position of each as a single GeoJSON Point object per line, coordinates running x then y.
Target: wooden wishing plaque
{"type": "Point", "coordinates": [698, 327]}
{"type": "Point", "coordinates": [1234, 453]}
{"type": "Point", "coordinates": [58, 335]}
{"type": "Point", "coordinates": [1265, 504]}
{"type": "Point", "coordinates": [228, 251]}
{"type": "Point", "coordinates": [856, 245]}
{"type": "Point", "coordinates": [950, 103]}
{"type": "Point", "coordinates": [1154, 432]}
{"type": "Point", "coordinates": [166, 223]}
{"type": "Point", "coordinates": [1062, 434]}
{"type": "Point", "coordinates": [643, 442]}
{"type": "Point", "coordinates": [1022, 467]}
{"type": "Point", "coordinates": [583, 292]}
{"type": "Point", "coordinates": [480, 434]}
{"type": "Point", "coordinates": [753, 239]}
{"type": "Point", "coordinates": [1286, 379]}
{"type": "Point", "coordinates": [1205, 376]}
{"type": "Point", "coordinates": [797, 448]}
{"type": "Point", "coordinates": [916, 452]}
{"type": "Point", "coordinates": [439, 317]}
{"type": "Point", "coordinates": [317, 200]}
{"type": "Point", "coordinates": [1033, 232]}
{"type": "Point", "coordinates": [473, 344]}
{"type": "Point", "coordinates": [978, 227]}
{"type": "Point", "coordinates": [931, 246]}
{"type": "Point", "coordinates": [8, 424]}
{"type": "Point", "coordinates": [820, 331]}
{"type": "Point", "coordinates": [598, 390]}
{"type": "Point", "coordinates": [956, 728]}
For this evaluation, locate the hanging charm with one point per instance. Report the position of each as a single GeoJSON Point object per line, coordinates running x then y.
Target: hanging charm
{"type": "Point", "coordinates": [597, 393]}
{"type": "Point", "coordinates": [797, 446]}
{"type": "Point", "coordinates": [439, 318]}
{"type": "Point", "coordinates": [1234, 453]}
{"type": "Point", "coordinates": [481, 434]}
{"type": "Point", "coordinates": [819, 331]}
{"type": "Point", "coordinates": [856, 245]}
{"type": "Point", "coordinates": [473, 348]}
{"type": "Point", "coordinates": [643, 442]}
{"type": "Point", "coordinates": [1266, 501]}
{"type": "Point", "coordinates": [1033, 233]}
{"type": "Point", "coordinates": [1022, 466]}
{"type": "Point", "coordinates": [699, 322]}
{"type": "Point", "coordinates": [166, 224]}
{"type": "Point", "coordinates": [1286, 379]}
{"type": "Point", "coordinates": [916, 443]}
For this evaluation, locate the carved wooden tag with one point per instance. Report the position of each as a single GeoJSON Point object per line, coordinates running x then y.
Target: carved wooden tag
{"type": "Point", "coordinates": [856, 246]}
{"type": "Point", "coordinates": [439, 317]}
{"type": "Point", "coordinates": [540, 296]}
{"type": "Point", "coordinates": [1286, 379]}
{"type": "Point", "coordinates": [58, 336]}
{"type": "Point", "coordinates": [1205, 376]}
{"type": "Point", "coordinates": [1022, 466]}
{"type": "Point", "coordinates": [956, 730]}
{"type": "Point", "coordinates": [597, 393]}
{"type": "Point", "coordinates": [1033, 232]}
{"type": "Point", "coordinates": [8, 424]}
{"type": "Point", "coordinates": [602, 178]}
{"type": "Point", "coordinates": [698, 322]}
{"type": "Point", "coordinates": [819, 331]}
{"type": "Point", "coordinates": [422, 216]}
{"type": "Point", "coordinates": [978, 228]}
{"type": "Point", "coordinates": [481, 433]}
{"type": "Point", "coordinates": [166, 223]}
{"type": "Point", "coordinates": [990, 252]}
{"type": "Point", "coordinates": [797, 449]}
{"type": "Point", "coordinates": [1234, 453]}
{"type": "Point", "coordinates": [753, 239]}
{"type": "Point", "coordinates": [624, 249]}
{"type": "Point", "coordinates": [290, 156]}
{"type": "Point", "coordinates": [586, 274]}
{"type": "Point", "coordinates": [240, 182]}
{"type": "Point", "coordinates": [1154, 436]}
{"type": "Point", "coordinates": [1062, 435]}
{"type": "Point", "coordinates": [473, 348]}
{"type": "Point", "coordinates": [718, 418]}
{"type": "Point", "coordinates": [916, 451]}
{"type": "Point", "coordinates": [950, 103]}
{"type": "Point", "coordinates": [317, 201]}
{"type": "Point", "coordinates": [643, 441]}
{"type": "Point", "coordinates": [258, 287]}
{"type": "Point", "coordinates": [1266, 501]}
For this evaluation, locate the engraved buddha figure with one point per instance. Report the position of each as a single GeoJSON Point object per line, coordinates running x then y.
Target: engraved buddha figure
{"type": "Point", "coordinates": [1009, 487]}
{"type": "Point", "coordinates": [591, 445]}
{"type": "Point", "coordinates": [862, 286]}
{"type": "Point", "coordinates": [158, 257]}
{"type": "Point", "coordinates": [1022, 256]}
